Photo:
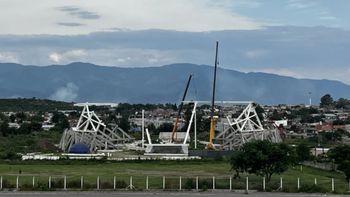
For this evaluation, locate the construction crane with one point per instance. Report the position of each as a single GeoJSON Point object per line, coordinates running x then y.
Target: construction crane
{"type": "Point", "coordinates": [173, 135]}
{"type": "Point", "coordinates": [212, 117]}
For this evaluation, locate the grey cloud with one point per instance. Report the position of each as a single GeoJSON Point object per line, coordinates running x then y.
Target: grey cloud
{"type": "Point", "coordinates": [310, 51]}
{"type": "Point", "coordinates": [68, 24]}
{"type": "Point", "coordinates": [79, 13]}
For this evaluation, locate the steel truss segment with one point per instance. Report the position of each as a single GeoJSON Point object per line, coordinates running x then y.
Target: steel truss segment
{"type": "Point", "coordinates": [90, 130]}
{"type": "Point", "coordinates": [245, 128]}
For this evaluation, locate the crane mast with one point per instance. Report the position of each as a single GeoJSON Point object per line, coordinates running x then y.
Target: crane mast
{"type": "Point", "coordinates": [212, 119]}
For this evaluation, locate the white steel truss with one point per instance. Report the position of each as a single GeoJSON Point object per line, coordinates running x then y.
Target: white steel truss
{"type": "Point", "coordinates": [90, 130]}
{"type": "Point", "coordinates": [245, 128]}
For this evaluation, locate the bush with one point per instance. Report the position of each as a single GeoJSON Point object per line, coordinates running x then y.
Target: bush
{"type": "Point", "coordinates": [312, 188]}
{"type": "Point", "coordinates": [189, 184]}
{"type": "Point", "coordinates": [74, 184]}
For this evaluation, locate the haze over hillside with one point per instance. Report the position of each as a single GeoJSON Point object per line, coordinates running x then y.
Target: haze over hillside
{"type": "Point", "coordinates": [82, 82]}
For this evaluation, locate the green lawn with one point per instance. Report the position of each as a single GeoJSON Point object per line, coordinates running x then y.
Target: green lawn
{"type": "Point", "coordinates": [172, 170]}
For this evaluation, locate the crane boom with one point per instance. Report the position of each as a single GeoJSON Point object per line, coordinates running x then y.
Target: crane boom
{"type": "Point", "coordinates": [212, 120]}
{"type": "Point", "coordinates": [173, 135]}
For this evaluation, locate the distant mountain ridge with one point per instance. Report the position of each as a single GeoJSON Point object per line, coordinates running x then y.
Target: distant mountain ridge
{"type": "Point", "coordinates": [84, 82]}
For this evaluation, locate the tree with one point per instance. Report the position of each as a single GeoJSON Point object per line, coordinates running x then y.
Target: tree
{"type": "Point", "coordinates": [345, 167]}
{"type": "Point", "coordinates": [341, 156]}
{"type": "Point", "coordinates": [4, 128]}
{"type": "Point", "coordinates": [339, 153]}
{"type": "Point", "coordinates": [326, 101]}
{"type": "Point", "coordinates": [262, 158]}
{"type": "Point", "coordinates": [60, 120]}
{"type": "Point", "coordinates": [342, 103]}
{"type": "Point", "coordinates": [260, 111]}
{"type": "Point", "coordinates": [124, 123]}
{"type": "Point", "coordinates": [303, 152]}
{"type": "Point", "coordinates": [165, 127]}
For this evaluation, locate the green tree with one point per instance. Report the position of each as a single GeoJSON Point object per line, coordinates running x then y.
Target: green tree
{"type": "Point", "coordinates": [260, 111]}
{"type": "Point", "coordinates": [345, 168]}
{"type": "Point", "coordinates": [339, 153]}
{"type": "Point", "coordinates": [303, 152]}
{"type": "Point", "coordinates": [4, 128]}
{"type": "Point", "coordinates": [326, 101]}
{"type": "Point", "coordinates": [124, 123]}
{"type": "Point", "coordinates": [60, 120]}
{"type": "Point", "coordinates": [342, 103]}
{"type": "Point", "coordinates": [262, 158]}
{"type": "Point", "coordinates": [165, 127]}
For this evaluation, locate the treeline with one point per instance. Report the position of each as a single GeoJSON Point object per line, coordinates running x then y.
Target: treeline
{"type": "Point", "coordinates": [33, 104]}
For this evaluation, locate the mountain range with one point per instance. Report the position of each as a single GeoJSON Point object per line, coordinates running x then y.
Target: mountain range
{"type": "Point", "coordinates": [84, 82]}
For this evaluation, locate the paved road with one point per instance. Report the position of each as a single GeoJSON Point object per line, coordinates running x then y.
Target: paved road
{"type": "Point", "coordinates": [149, 194]}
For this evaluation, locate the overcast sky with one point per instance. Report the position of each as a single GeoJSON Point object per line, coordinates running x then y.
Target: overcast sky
{"type": "Point", "coordinates": [311, 39]}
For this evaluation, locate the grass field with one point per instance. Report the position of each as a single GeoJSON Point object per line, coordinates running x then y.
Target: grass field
{"type": "Point", "coordinates": [172, 170]}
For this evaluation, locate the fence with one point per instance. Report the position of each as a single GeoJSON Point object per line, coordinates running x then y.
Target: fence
{"type": "Point", "coordinates": [170, 183]}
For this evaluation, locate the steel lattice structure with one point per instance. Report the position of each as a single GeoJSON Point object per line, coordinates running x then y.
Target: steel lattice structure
{"type": "Point", "coordinates": [90, 130]}
{"type": "Point", "coordinates": [245, 128]}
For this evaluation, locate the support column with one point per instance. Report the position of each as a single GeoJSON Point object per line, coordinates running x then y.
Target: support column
{"type": "Point", "coordinates": [195, 129]}
{"type": "Point", "coordinates": [143, 128]}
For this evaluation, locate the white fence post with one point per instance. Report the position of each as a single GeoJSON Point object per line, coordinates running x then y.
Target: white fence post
{"type": "Point", "coordinates": [298, 183]}
{"type": "Point", "coordinates": [197, 183]}
{"type": "Point", "coordinates": [230, 183]}
{"type": "Point", "coordinates": [114, 183]}
{"type": "Point", "coordinates": [98, 183]}
{"type": "Point", "coordinates": [163, 182]}
{"type": "Point", "coordinates": [33, 181]}
{"type": "Point", "coordinates": [180, 183]}
{"type": "Point", "coordinates": [1, 182]}
{"type": "Point", "coordinates": [213, 182]}
{"type": "Point", "coordinates": [264, 184]}
{"type": "Point", "coordinates": [81, 182]}
{"type": "Point", "coordinates": [146, 182]}
{"type": "Point", "coordinates": [49, 182]}
{"type": "Point", "coordinates": [65, 183]}
{"type": "Point", "coordinates": [246, 185]}
{"type": "Point", "coordinates": [315, 181]}
{"type": "Point", "coordinates": [332, 184]}
{"type": "Point", "coordinates": [17, 183]}
{"type": "Point", "coordinates": [281, 183]}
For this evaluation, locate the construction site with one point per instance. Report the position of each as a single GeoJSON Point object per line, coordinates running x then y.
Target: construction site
{"type": "Point", "coordinates": [232, 124]}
